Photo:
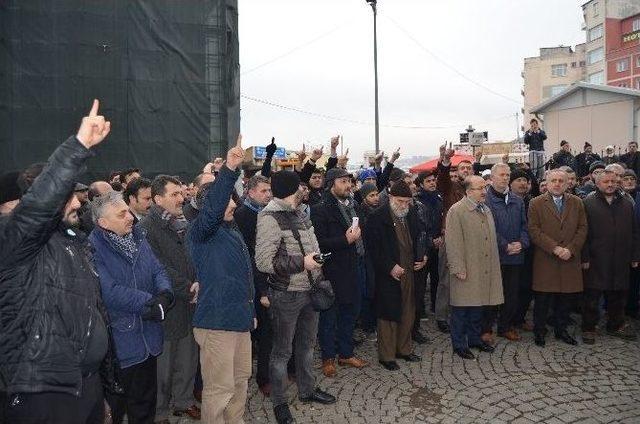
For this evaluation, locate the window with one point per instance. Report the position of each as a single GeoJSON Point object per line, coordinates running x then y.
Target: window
{"type": "Point", "coordinates": [622, 65]}
{"type": "Point", "coordinates": [595, 33]}
{"type": "Point", "coordinates": [595, 56]}
{"type": "Point", "coordinates": [636, 25]}
{"type": "Point", "coordinates": [638, 84]}
{"type": "Point", "coordinates": [595, 9]}
{"type": "Point", "coordinates": [552, 90]}
{"type": "Point", "coordinates": [596, 78]}
{"type": "Point", "coordinates": [623, 85]}
{"type": "Point", "coordinates": [559, 70]}
{"type": "Point", "coordinates": [638, 62]}
{"type": "Point", "coordinates": [582, 63]}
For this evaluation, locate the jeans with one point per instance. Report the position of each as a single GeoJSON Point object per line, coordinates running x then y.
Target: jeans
{"type": "Point", "coordinates": [536, 163]}
{"type": "Point", "coordinates": [292, 317]}
{"type": "Point", "coordinates": [443, 293]}
{"type": "Point", "coordinates": [434, 276]}
{"type": "Point", "coordinates": [335, 331]}
{"type": "Point", "coordinates": [466, 325]}
{"type": "Point", "coordinates": [264, 334]}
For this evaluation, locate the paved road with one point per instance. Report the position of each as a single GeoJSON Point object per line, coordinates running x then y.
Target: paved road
{"type": "Point", "coordinates": [518, 383]}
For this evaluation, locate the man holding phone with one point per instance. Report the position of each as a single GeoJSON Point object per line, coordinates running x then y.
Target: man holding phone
{"type": "Point", "coordinates": [336, 223]}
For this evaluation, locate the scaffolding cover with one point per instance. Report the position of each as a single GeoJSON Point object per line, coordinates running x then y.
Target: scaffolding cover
{"type": "Point", "coordinates": [166, 73]}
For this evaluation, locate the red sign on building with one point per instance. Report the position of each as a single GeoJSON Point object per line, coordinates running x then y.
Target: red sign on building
{"type": "Point", "coordinates": [623, 52]}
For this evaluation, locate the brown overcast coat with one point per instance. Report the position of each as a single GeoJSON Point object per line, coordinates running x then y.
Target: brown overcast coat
{"type": "Point", "coordinates": [472, 248]}
{"type": "Point", "coordinates": [548, 229]}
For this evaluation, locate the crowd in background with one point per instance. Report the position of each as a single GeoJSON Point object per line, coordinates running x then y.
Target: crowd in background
{"type": "Point", "coordinates": [152, 298]}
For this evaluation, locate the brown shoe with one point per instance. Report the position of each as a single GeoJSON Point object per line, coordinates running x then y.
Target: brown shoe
{"type": "Point", "coordinates": [511, 335]}
{"type": "Point", "coordinates": [353, 362]}
{"type": "Point", "coordinates": [487, 338]}
{"type": "Point", "coordinates": [265, 389]}
{"type": "Point", "coordinates": [193, 412]}
{"type": "Point", "coordinates": [329, 367]}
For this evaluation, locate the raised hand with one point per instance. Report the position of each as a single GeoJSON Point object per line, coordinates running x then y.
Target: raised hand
{"type": "Point", "coordinates": [317, 153]}
{"type": "Point", "coordinates": [335, 141]}
{"type": "Point", "coordinates": [271, 148]}
{"type": "Point", "coordinates": [378, 158]}
{"type": "Point", "coordinates": [478, 155]}
{"type": "Point", "coordinates": [302, 154]}
{"type": "Point", "coordinates": [93, 128]}
{"type": "Point", "coordinates": [235, 156]}
{"type": "Point", "coordinates": [395, 155]}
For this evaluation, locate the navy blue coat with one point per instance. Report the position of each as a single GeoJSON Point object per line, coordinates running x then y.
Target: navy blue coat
{"type": "Point", "coordinates": [222, 262]}
{"type": "Point", "coordinates": [511, 225]}
{"type": "Point", "coordinates": [126, 287]}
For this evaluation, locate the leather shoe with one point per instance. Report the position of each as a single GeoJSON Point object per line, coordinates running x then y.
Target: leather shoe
{"type": "Point", "coordinates": [419, 338]}
{"type": "Point", "coordinates": [319, 396]}
{"type": "Point", "coordinates": [487, 338]}
{"type": "Point", "coordinates": [589, 337]}
{"type": "Point", "coordinates": [539, 340]}
{"type": "Point", "coordinates": [329, 367]}
{"type": "Point", "coordinates": [353, 362]}
{"type": "Point", "coordinates": [283, 415]}
{"type": "Point", "coordinates": [565, 337]}
{"type": "Point", "coordinates": [390, 365]}
{"type": "Point", "coordinates": [193, 412]}
{"type": "Point", "coordinates": [464, 353]}
{"type": "Point", "coordinates": [511, 335]}
{"type": "Point", "coordinates": [410, 357]}
{"type": "Point", "coordinates": [443, 326]}
{"type": "Point", "coordinates": [484, 347]}
{"type": "Point", "coordinates": [265, 389]}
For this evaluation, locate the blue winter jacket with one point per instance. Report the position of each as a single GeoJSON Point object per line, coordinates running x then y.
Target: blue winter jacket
{"type": "Point", "coordinates": [511, 225]}
{"type": "Point", "coordinates": [222, 262]}
{"type": "Point", "coordinates": [126, 287]}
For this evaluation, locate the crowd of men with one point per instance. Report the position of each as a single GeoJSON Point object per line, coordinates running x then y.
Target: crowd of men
{"type": "Point", "coordinates": [148, 298]}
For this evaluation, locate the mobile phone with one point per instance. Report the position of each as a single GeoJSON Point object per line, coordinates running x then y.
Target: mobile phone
{"type": "Point", "coordinates": [321, 257]}
{"type": "Point", "coordinates": [356, 222]}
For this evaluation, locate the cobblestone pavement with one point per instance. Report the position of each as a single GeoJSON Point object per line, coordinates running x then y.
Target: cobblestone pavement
{"type": "Point", "coordinates": [518, 383]}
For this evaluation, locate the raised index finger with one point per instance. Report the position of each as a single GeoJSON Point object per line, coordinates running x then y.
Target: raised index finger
{"type": "Point", "coordinates": [94, 108]}
{"type": "Point", "coordinates": [239, 141]}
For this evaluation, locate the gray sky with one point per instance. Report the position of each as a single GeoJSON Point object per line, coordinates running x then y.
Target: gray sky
{"type": "Point", "coordinates": [321, 61]}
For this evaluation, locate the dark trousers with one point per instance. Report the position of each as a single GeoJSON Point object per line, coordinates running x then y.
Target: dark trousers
{"type": "Point", "coordinates": [434, 276]}
{"type": "Point", "coordinates": [508, 311]}
{"type": "Point", "coordinates": [420, 289]}
{"type": "Point", "coordinates": [466, 326]}
{"type": "Point", "coordinates": [634, 293]}
{"type": "Point", "coordinates": [616, 300]}
{"type": "Point", "coordinates": [292, 318]}
{"type": "Point", "coordinates": [366, 313]}
{"type": "Point", "coordinates": [335, 330]}
{"type": "Point", "coordinates": [264, 336]}
{"type": "Point", "coordinates": [525, 294]}
{"type": "Point", "coordinates": [561, 305]}
{"type": "Point", "coordinates": [55, 408]}
{"type": "Point", "coordinates": [140, 392]}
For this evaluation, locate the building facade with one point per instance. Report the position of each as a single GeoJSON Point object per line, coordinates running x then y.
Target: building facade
{"type": "Point", "coordinates": [623, 52]}
{"type": "Point", "coordinates": [602, 24]}
{"type": "Point", "coordinates": [550, 73]}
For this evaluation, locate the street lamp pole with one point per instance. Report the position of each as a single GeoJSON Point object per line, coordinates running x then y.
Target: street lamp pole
{"type": "Point", "coordinates": [373, 4]}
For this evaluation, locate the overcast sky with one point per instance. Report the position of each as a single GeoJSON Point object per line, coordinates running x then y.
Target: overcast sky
{"type": "Point", "coordinates": [318, 56]}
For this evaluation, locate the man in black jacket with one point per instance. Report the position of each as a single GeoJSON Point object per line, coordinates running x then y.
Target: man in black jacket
{"type": "Point", "coordinates": [632, 158]}
{"type": "Point", "coordinates": [178, 362]}
{"type": "Point", "coordinates": [54, 342]}
{"type": "Point", "coordinates": [333, 222]}
{"type": "Point", "coordinates": [534, 138]}
{"type": "Point", "coordinates": [246, 217]}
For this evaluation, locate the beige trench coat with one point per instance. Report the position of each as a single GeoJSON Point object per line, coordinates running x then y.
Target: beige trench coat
{"type": "Point", "coordinates": [472, 248]}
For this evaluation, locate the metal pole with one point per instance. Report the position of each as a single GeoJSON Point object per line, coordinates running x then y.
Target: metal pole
{"type": "Point", "coordinates": [517, 129]}
{"type": "Point", "coordinates": [375, 69]}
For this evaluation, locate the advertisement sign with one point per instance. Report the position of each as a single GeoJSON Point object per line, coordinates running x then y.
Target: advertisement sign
{"type": "Point", "coordinates": [261, 153]}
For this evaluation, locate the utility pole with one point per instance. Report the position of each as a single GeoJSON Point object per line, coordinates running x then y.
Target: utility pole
{"type": "Point", "coordinates": [517, 128]}
{"type": "Point", "coordinates": [374, 7]}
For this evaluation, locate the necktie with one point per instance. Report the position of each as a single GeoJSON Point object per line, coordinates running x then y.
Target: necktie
{"type": "Point", "coordinates": [558, 202]}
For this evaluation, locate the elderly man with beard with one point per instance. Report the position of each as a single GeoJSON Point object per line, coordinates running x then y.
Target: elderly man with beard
{"type": "Point", "coordinates": [333, 224]}
{"type": "Point", "coordinates": [451, 192]}
{"type": "Point", "coordinates": [47, 277]}
{"type": "Point", "coordinates": [394, 229]}
{"type": "Point", "coordinates": [612, 246]}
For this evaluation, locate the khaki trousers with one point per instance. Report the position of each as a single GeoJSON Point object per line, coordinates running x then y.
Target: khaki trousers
{"type": "Point", "coordinates": [225, 359]}
{"type": "Point", "coordinates": [395, 337]}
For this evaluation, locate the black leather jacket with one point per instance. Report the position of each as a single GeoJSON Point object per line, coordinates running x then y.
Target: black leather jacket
{"type": "Point", "coordinates": [49, 292]}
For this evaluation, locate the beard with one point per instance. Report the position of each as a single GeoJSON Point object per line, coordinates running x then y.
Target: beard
{"type": "Point", "coordinates": [72, 219]}
{"type": "Point", "coordinates": [399, 212]}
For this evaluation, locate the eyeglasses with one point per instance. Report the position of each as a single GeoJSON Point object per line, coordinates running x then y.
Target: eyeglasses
{"type": "Point", "coordinates": [479, 188]}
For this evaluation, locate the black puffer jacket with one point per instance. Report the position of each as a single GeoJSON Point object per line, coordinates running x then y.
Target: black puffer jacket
{"type": "Point", "coordinates": [49, 292]}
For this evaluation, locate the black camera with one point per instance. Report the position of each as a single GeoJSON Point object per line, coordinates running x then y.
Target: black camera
{"type": "Point", "coordinates": [321, 257]}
